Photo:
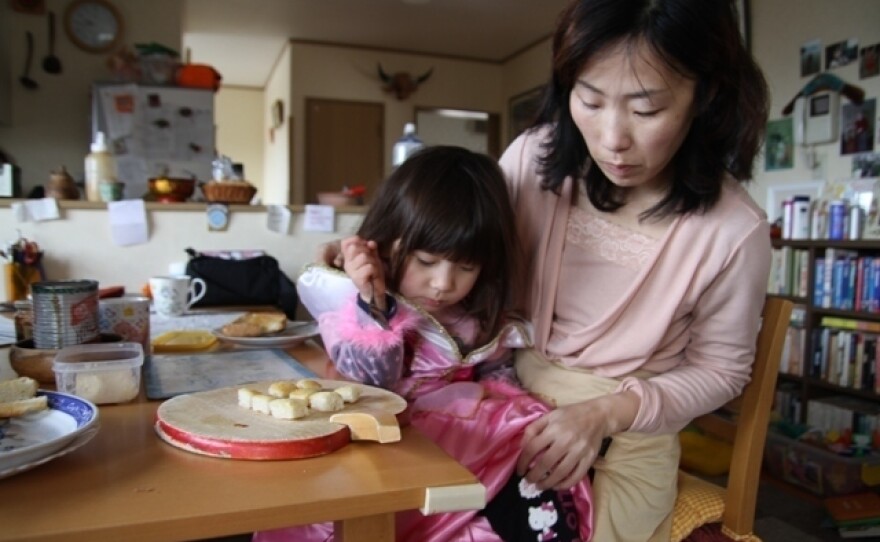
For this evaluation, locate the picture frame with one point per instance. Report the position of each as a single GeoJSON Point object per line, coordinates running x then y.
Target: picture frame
{"type": "Point", "coordinates": [778, 193]}
{"type": "Point", "coordinates": [521, 111]}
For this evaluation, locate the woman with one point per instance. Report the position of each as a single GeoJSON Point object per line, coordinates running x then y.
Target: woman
{"type": "Point", "coordinates": [648, 260]}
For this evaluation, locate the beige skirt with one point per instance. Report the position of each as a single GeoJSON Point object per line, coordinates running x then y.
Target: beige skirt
{"type": "Point", "coordinates": [635, 484]}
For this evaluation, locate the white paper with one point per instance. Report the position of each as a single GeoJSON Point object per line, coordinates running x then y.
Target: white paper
{"type": "Point", "coordinates": [38, 210]}
{"type": "Point", "coordinates": [128, 222]}
{"type": "Point", "coordinates": [319, 218]}
{"type": "Point", "coordinates": [278, 219]}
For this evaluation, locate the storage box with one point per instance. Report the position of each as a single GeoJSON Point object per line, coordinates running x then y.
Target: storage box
{"type": "Point", "coordinates": [818, 470]}
{"type": "Point", "coordinates": [101, 373]}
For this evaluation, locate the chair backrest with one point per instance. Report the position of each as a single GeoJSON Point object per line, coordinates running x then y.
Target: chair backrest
{"type": "Point", "coordinates": [750, 432]}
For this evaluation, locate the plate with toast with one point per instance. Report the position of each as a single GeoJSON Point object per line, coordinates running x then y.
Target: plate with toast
{"type": "Point", "coordinates": [41, 426]}
{"type": "Point", "coordinates": [266, 330]}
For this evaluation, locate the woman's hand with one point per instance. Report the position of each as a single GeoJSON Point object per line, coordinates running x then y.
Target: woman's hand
{"type": "Point", "coordinates": [362, 263]}
{"type": "Point", "coordinates": [559, 448]}
{"type": "Point", "coordinates": [330, 253]}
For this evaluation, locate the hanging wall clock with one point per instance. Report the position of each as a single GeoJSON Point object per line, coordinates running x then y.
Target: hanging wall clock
{"type": "Point", "coordinates": [93, 25]}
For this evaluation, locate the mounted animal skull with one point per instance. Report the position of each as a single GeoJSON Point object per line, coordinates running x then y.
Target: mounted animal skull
{"type": "Point", "coordinates": [402, 84]}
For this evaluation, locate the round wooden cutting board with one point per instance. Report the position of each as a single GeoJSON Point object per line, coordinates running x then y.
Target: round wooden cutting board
{"type": "Point", "coordinates": [212, 423]}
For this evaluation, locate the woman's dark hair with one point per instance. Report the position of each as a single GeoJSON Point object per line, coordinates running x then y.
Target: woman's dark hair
{"type": "Point", "coordinates": [451, 201]}
{"type": "Point", "coordinates": [699, 39]}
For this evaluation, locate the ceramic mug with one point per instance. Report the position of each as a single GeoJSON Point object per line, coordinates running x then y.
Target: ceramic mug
{"type": "Point", "coordinates": [128, 317]}
{"type": "Point", "coordinates": [174, 295]}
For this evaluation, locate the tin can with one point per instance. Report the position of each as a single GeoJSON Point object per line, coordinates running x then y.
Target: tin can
{"type": "Point", "coordinates": [837, 220]}
{"type": "Point", "coordinates": [65, 313]}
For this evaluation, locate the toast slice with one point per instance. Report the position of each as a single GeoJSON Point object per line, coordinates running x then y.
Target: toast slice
{"type": "Point", "coordinates": [17, 397]}
{"type": "Point", "coordinates": [21, 407]}
{"type": "Point", "coordinates": [255, 324]}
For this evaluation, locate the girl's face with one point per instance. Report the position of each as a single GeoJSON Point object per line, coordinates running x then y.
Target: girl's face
{"type": "Point", "coordinates": [633, 113]}
{"type": "Point", "coordinates": [435, 283]}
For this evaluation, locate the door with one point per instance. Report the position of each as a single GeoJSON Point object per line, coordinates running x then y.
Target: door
{"type": "Point", "coordinates": [345, 146]}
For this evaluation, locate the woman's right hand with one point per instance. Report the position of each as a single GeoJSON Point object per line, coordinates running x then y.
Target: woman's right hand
{"type": "Point", "coordinates": [330, 253]}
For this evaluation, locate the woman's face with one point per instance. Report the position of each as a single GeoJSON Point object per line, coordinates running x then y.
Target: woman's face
{"type": "Point", "coordinates": [633, 113]}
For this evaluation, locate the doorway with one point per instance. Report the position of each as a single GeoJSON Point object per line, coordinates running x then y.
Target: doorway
{"type": "Point", "coordinates": [345, 146]}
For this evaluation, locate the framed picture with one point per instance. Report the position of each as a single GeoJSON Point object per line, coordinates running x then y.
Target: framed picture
{"type": "Point", "coordinates": [742, 7]}
{"type": "Point", "coordinates": [522, 110]}
{"type": "Point", "coordinates": [778, 193]}
{"type": "Point", "coordinates": [779, 145]}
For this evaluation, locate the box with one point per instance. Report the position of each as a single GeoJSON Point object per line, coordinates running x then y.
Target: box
{"type": "Point", "coordinates": [101, 373]}
{"type": "Point", "coordinates": [818, 470]}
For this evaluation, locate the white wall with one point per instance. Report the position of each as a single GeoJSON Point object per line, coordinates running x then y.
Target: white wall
{"type": "Point", "coordinates": [779, 28]}
{"type": "Point", "coordinates": [277, 145]}
{"type": "Point", "coordinates": [240, 130]}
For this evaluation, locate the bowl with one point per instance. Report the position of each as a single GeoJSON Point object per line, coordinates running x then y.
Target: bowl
{"type": "Point", "coordinates": [102, 373]}
{"type": "Point", "coordinates": [172, 189]}
{"type": "Point", "coordinates": [26, 360]}
{"type": "Point", "coordinates": [336, 199]}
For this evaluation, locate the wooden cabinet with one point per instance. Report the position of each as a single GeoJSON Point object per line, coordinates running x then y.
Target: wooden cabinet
{"type": "Point", "coordinates": [829, 370]}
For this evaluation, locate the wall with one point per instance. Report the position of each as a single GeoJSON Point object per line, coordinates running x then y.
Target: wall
{"type": "Point", "coordinates": [345, 73]}
{"type": "Point", "coordinates": [779, 28]}
{"type": "Point", "coordinates": [79, 245]}
{"type": "Point", "coordinates": [50, 125]}
{"type": "Point", "coordinates": [240, 133]}
{"type": "Point", "coordinates": [277, 145]}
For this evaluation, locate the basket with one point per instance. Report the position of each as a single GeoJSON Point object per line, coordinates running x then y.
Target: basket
{"type": "Point", "coordinates": [229, 192]}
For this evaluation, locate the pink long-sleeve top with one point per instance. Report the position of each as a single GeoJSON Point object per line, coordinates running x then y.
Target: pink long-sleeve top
{"type": "Point", "coordinates": [689, 311]}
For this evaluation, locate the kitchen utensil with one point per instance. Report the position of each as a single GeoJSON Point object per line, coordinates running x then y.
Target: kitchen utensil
{"type": "Point", "coordinates": [51, 63]}
{"type": "Point", "coordinates": [25, 78]}
{"type": "Point", "coordinates": [212, 423]}
{"type": "Point", "coordinates": [375, 311]}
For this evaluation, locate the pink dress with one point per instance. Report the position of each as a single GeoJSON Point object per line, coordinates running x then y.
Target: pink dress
{"type": "Point", "coordinates": [478, 422]}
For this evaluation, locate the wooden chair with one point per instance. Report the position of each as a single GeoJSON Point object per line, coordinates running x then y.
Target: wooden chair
{"type": "Point", "coordinates": [703, 503]}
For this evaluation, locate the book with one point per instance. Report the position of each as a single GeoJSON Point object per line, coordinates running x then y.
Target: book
{"type": "Point", "coordinates": [856, 509]}
{"type": "Point", "coordinates": [859, 531]}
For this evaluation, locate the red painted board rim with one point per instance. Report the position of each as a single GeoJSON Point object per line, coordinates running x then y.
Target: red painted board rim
{"type": "Point", "coordinates": [256, 450]}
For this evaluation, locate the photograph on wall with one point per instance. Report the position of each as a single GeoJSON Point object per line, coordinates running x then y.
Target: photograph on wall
{"type": "Point", "coordinates": [522, 111]}
{"type": "Point", "coordinates": [857, 127]}
{"type": "Point", "coordinates": [866, 165]}
{"type": "Point", "coordinates": [779, 145]}
{"type": "Point", "coordinates": [841, 53]}
{"type": "Point", "coordinates": [868, 61]}
{"type": "Point", "coordinates": [811, 57]}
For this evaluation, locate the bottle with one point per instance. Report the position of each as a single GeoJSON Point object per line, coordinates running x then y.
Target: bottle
{"type": "Point", "coordinates": [408, 144]}
{"type": "Point", "coordinates": [100, 166]}
{"type": "Point", "coordinates": [800, 217]}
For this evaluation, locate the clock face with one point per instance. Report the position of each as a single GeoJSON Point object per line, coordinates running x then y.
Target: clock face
{"type": "Point", "coordinates": [93, 25]}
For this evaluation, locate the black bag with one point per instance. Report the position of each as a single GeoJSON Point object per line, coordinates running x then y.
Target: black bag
{"type": "Point", "coordinates": [254, 281]}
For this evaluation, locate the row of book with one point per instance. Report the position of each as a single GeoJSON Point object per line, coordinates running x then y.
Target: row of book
{"type": "Point", "coordinates": [844, 280]}
{"type": "Point", "coordinates": [788, 272]}
{"type": "Point", "coordinates": [844, 352]}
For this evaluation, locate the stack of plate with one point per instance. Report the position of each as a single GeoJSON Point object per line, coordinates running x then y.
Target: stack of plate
{"type": "Point", "coordinates": [65, 313]}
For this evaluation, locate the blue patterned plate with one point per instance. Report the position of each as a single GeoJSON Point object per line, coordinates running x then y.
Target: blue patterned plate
{"type": "Point", "coordinates": [30, 440]}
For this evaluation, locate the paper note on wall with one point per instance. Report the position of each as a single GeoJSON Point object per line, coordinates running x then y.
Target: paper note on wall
{"type": "Point", "coordinates": [320, 218]}
{"type": "Point", "coordinates": [128, 222]}
{"type": "Point", "coordinates": [35, 210]}
{"type": "Point", "coordinates": [278, 219]}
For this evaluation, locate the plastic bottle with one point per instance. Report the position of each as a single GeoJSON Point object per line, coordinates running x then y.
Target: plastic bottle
{"type": "Point", "coordinates": [406, 145]}
{"type": "Point", "coordinates": [100, 166]}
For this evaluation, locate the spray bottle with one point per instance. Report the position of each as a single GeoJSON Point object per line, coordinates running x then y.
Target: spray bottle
{"type": "Point", "coordinates": [100, 166]}
{"type": "Point", "coordinates": [408, 144]}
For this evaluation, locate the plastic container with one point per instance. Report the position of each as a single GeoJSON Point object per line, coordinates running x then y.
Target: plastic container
{"type": "Point", "coordinates": [408, 144]}
{"type": "Point", "coordinates": [100, 167]}
{"type": "Point", "coordinates": [818, 470]}
{"type": "Point", "coordinates": [101, 373]}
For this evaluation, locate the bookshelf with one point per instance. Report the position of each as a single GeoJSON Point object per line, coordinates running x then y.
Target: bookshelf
{"type": "Point", "coordinates": [830, 369]}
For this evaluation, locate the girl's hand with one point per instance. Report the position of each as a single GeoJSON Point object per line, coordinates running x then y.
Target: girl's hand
{"type": "Point", "coordinates": [330, 253]}
{"type": "Point", "coordinates": [363, 265]}
{"type": "Point", "coordinates": [559, 448]}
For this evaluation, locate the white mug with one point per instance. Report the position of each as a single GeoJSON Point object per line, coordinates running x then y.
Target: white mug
{"type": "Point", "coordinates": [172, 296]}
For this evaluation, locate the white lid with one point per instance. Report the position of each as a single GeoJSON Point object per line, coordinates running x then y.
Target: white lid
{"type": "Point", "coordinates": [100, 143]}
{"type": "Point", "coordinates": [409, 128]}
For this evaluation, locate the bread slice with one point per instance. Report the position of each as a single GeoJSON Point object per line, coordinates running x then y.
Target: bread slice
{"type": "Point", "coordinates": [16, 389]}
{"type": "Point", "coordinates": [21, 407]}
{"type": "Point", "coordinates": [255, 324]}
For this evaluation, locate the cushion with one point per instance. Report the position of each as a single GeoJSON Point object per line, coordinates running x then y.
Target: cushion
{"type": "Point", "coordinates": [698, 504]}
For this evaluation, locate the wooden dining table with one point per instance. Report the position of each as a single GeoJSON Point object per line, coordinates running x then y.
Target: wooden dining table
{"type": "Point", "coordinates": [126, 484]}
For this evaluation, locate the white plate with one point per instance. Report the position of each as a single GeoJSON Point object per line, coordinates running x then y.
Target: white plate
{"type": "Point", "coordinates": [31, 440]}
{"type": "Point", "coordinates": [292, 335]}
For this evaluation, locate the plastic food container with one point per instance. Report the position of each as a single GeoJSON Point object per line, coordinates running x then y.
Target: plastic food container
{"type": "Point", "coordinates": [101, 373]}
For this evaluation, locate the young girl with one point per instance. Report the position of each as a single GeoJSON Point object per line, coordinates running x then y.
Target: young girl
{"type": "Point", "coordinates": [441, 236]}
